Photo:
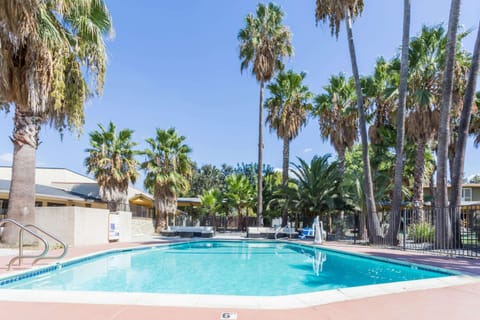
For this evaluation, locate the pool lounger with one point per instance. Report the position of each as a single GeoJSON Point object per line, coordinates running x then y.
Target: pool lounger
{"type": "Point", "coordinates": [189, 232]}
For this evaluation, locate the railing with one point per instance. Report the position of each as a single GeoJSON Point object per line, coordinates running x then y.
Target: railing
{"type": "Point", "coordinates": [446, 231]}
{"type": "Point", "coordinates": [27, 228]}
{"type": "Point", "coordinates": [20, 243]}
{"type": "Point", "coordinates": [63, 244]}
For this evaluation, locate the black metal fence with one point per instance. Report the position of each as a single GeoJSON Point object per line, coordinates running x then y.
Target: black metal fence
{"type": "Point", "coordinates": [453, 232]}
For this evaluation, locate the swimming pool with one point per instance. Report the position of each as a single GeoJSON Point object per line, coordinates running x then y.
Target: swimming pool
{"type": "Point", "coordinates": [238, 268]}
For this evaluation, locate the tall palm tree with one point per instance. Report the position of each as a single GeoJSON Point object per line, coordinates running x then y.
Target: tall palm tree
{"type": "Point", "coordinates": [337, 115]}
{"type": "Point", "coordinates": [47, 48]}
{"type": "Point", "coordinates": [112, 160]}
{"type": "Point", "coordinates": [264, 42]}
{"type": "Point", "coordinates": [239, 194]}
{"type": "Point", "coordinates": [443, 230]}
{"type": "Point", "coordinates": [458, 165]}
{"type": "Point", "coordinates": [426, 58]}
{"type": "Point", "coordinates": [443, 225]}
{"type": "Point", "coordinates": [287, 113]}
{"type": "Point", "coordinates": [394, 226]}
{"type": "Point", "coordinates": [168, 170]}
{"type": "Point", "coordinates": [335, 12]}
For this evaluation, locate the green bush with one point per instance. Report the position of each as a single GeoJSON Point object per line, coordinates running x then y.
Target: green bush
{"type": "Point", "coordinates": [476, 224]}
{"type": "Point", "coordinates": [421, 232]}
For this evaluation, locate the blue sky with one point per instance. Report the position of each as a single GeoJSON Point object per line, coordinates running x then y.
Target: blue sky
{"type": "Point", "coordinates": [175, 64]}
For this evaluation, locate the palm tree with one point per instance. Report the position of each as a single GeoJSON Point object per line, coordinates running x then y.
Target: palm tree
{"type": "Point", "coordinates": [335, 11]}
{"type": "Point", "coordinates": [380, 96]}
{"type": "Point", "coordinates": [338, 116]}
{"type": "Point", "coordinates": [239, 194]}
{"type": "Point", "coordinates": [168, 170]}
{"type": "Point", "coordinates": [463, 130]}
{"type": "Point", "coordinates": [47, 50]}
{"type": "Point", "coordinates": [111, 159]}
{"type": "Point", "coordinates": [443, 230]}
{"type": "Point", "coordinates": [318, 186]}
{"type": "Point", "coordinates": [210, 203]}
{"type": "Point", "coordinates": [394, 226]}
{"type": "Point", "coordinates": [287, 113]}
{"type": "Point", "coordinates": [426, 54]}
{"type": "Point", "coordinates": [271, 182]}
{"type": "Point", "coordinates": [264, 42]}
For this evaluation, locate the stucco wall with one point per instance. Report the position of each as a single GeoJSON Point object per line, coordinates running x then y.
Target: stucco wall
{"type": "Point", "coordinates": [58, 221]}
{"type": "Point", "coordinates": [79, 226]}
{"type": "Point", "coordinates": [125, 226]}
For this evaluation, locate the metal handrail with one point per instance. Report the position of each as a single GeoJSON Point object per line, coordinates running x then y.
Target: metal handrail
{"type": "Point", "coordinates": [64, 245]}
{"type": "Point", "coordinates": [20, 243]}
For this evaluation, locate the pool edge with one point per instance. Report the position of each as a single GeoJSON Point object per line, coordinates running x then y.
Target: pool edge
{"type": "Point", "coordinates": [225, 301]}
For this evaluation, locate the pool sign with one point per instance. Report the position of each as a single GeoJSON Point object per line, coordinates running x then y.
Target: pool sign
{"type": "Point", "coordinates": [113, 229]}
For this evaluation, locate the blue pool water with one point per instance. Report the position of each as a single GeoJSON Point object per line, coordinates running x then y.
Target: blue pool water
{"type": "Point", "coordinates": [222, 267]}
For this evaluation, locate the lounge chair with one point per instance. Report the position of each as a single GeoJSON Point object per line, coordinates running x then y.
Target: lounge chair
{"type": "Point", "coordinates": [306, 232]}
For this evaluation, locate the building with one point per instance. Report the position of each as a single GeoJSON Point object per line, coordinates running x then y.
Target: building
{"type": "Point", "coordinates": [56, 187]}
{"type": "Point", "coordinates": [470, 194]}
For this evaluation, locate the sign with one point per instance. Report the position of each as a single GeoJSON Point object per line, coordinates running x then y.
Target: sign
{"type": "Point", "coordinates": [114, 227]}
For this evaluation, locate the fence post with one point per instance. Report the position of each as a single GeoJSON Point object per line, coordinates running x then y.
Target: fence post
{"type": "Point", "coordinates": [404, 231]}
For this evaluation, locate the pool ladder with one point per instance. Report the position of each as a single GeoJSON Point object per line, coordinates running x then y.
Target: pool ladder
{"type": "Point", "coordinates": [32, 230]}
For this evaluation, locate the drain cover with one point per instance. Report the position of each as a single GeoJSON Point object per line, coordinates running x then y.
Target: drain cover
{"type": "Point", "coordinates": [228, 315]}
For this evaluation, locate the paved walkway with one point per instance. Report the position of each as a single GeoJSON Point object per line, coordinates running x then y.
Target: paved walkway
{"type": "Point", "coordinates": [454, 302]}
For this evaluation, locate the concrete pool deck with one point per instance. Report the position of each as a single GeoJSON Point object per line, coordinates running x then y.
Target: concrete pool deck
{"type": "Point", "coordinates": [452, 299]}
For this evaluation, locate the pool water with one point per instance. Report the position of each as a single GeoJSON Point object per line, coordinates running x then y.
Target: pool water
{"type": "Point", "coordinates": [224, 268]}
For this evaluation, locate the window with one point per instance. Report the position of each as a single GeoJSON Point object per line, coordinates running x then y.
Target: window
{"type": "Point", "coordinates": [466, 194]}
{"type": "Point", "coordinates": [54, 204]}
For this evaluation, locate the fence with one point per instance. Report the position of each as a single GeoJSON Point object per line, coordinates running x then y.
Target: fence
{"type": "Point", "coordinates": [454, 232]}
{"type": "Point", "coordinates": [141, 211]}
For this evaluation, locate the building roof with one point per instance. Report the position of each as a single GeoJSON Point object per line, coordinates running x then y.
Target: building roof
{"type": "Point", "coordinates": [51, 192]}
{"type": "Point", "coordinates": [62, 183]}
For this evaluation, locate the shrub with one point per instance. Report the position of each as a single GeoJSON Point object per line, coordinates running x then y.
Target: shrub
{"type": "Point", "coordinates": [421, 232]}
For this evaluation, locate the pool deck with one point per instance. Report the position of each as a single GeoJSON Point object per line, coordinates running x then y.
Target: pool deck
{"type": "Point", "coordinates": [455, 300]}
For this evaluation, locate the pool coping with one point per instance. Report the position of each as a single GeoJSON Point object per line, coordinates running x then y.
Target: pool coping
{"type": "Point", "coordinates": [227, 301]}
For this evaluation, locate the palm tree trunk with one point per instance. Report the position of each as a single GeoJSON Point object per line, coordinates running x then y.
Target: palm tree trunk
{"type": "Point", "coordinates": [341, 168]}
{"type": "Point", "coordinates": [166, 204]}
{"type": "Point", "coordinates": [418, 179]}
{"type": "Point", "coordinates": [398, 179]}
{"type": "Point", "coordinates": [341, 160]}
{"type": "Point", "coordinates": [21, 204]}
{"type": "Point", "coordinates": [286, 156]}
{"type": "Point", "coordinates": [260, 159]}
{"type": "Point", "coordinates": [240, 220]}
{"type": "Point", "coordinates": [362, 226]}
{"type": "Point", "coordinates": [161, 222]}
{"type": "Point", "coordinates": [375, 232]}
{"type": "Point", "coordinates": [459, 161]}
{"type": "Point", "coordinates": [443, 234]}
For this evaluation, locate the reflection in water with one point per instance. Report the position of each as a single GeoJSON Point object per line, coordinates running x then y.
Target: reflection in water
{"type": "Point", "coordinates": [317, 261]}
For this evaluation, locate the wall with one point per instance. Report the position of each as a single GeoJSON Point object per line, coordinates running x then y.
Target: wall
{"type": "Point", "coordinates": [125, 220]}
{"type": "Point", "coordinates": [79, 226]}
{"type": "Point", "coordinates": [142, 228]}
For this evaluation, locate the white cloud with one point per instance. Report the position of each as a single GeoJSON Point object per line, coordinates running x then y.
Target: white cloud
{"type": "Point", "coordinates": [6, 158]}
{"type": "Point", "coordinates": [307, 150]}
